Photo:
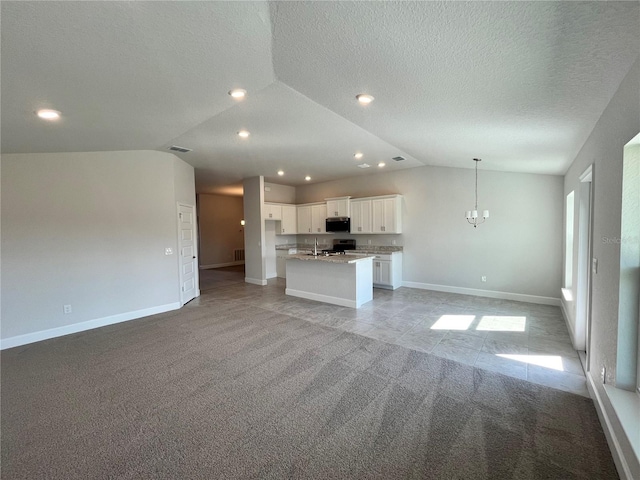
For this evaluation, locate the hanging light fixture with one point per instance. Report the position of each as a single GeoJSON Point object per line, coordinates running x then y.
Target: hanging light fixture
{"type": "Point", "coordinates": [472, 215]}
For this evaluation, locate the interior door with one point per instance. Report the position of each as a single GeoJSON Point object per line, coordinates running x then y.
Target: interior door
{"type": "Point", "coordinates": [187, 249]}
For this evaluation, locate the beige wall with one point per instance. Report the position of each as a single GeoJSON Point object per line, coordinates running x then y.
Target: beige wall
{"type": "Point", "coordinates": [220, 230]}
{"type": "Point", "coordinates": [89, 230]}
{"type": "Point", "coordinates": [518, 248]}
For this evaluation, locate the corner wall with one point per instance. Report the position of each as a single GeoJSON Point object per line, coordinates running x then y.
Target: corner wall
{"type": "Point", "coordinates": [88, 230]}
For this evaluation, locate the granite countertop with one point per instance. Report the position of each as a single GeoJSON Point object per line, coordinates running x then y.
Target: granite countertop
{"type": "Point", "coordinates": [373, 249]}
{"type": "Point", "coordinates": [364, 249]}
{"type": "Point", "coordinates": [329, 258]}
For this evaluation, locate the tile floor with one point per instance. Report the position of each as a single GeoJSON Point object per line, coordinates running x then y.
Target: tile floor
{"type": "Point", "coordinates": [522, 340]}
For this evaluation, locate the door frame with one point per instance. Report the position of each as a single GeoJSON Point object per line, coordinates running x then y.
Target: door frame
{"type": "Point", "coordinates": [585, 246]}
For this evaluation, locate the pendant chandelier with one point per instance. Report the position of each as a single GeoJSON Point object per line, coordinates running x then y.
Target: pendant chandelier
{"type": "Point", "coordinates": [472, 215]}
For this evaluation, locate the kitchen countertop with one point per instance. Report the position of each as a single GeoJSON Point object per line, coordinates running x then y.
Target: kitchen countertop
{"type": "Point", "coordinates": [329, 258]}
{"type": "Point", "coordinates": [364, 249]}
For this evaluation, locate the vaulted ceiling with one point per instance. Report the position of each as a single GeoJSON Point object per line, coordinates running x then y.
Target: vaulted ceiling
{"type": "Point", "coordinates": [519, 84]}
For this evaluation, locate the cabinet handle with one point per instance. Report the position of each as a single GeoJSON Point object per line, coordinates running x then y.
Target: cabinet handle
{"type": "Point", "coordinates": [336, 213]}
{"type": "Point", "coordinates": [359, 229]}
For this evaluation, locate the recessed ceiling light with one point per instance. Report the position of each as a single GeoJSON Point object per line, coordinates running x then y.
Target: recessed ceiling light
{"type": "Point", "coordinates": [280, 172]}
{"type": "Point", "coordinates": [47, 114]}
{"type": "Point", "coordinates": [381, 164]}
{"type": "Point", "coordinates": [364, 98]}
{"type": "Point", "coordinates": [238, 93]}
{"type": "Point", "coordinates": [357, 156]}
{"type": "Point", "coordinates": [243, 134]}
{"type": "Point", "coordinates": [307, 178]}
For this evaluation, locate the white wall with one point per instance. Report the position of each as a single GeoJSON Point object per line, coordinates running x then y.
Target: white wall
{"type": "Point", "coordinates": [88, 230]}
{"type": "Point", "coordinates": [254, 236]}
{"type": "Point", "coordinates": [518, 248]}
{"type": "Point", "coordinates": [220, 230]}
{"type": "Point", "coordinates": [279, 193]}
{"type": "Point", "coordinates": [619, 123]}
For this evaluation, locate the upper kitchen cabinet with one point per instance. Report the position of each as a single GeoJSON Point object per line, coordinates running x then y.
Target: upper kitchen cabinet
{"type": "Point", "coordinates": [338, 207]}
{"type": "Point", "coordinates": [386, 214]}
{"type": "Point", "coordinates": [361, 216]}
{"type": "Point", "coordinates": [319, 218]}
{"type": "Point", "coordinates": [272, 211]}
{"type": "Point", "coordinates": [289, 224]}
{"type": "Point", "coordinates": [312, 218]}
{"type": "Point", "coordinates": [304, 218]}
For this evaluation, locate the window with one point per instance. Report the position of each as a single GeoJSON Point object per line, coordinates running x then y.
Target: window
{"type": "Point", "coordinates": [568, 247]}
{"type": "Point", "coordinates": [628, 360]}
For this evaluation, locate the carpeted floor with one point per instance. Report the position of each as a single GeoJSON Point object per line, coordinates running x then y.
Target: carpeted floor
{"type": "Point", "coordinates": [228, 390]}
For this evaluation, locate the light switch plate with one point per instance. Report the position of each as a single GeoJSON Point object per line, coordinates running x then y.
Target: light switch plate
{"type": "Point", "coordinates": [594, 265]}
{"type": "Point", "coordinates": [168, 251]}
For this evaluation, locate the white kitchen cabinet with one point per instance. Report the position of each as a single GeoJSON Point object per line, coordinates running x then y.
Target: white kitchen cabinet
{"type": "Point", "coordinates": [361, 216]}
{"type": "Point", "coordinates": [304, 218]}
{"type": "Point", "coordinates": [272, 211]}
{"type": "Point", "coordinates": [338, 207]}
{"type": "Point", "coordinates": [289, 224]}
{"type": "Point", "coordinates": [387, 270]}
{"type": "Point", "coordinates": [386, 214]}
{"type": "Point", "coordinates": [318, 218]}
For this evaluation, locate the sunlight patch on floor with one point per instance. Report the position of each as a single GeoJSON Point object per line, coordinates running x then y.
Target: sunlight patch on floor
{"type": "Point", "coordinates": [453, 322]}
{"type": "Point", "coordinates": [502, 323]}
{"type": "Point", "coordinates": [553, 362]}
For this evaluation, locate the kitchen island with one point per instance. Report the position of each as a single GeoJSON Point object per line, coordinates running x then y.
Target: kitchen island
{"type": "Point", "coordinates": [345, 280]}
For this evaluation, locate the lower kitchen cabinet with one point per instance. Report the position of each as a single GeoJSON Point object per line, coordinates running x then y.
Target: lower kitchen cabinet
{"type": "Point", "coordinates": [387, 270]}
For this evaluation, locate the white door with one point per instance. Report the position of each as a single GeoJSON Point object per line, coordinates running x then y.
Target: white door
{"type": "Point", "coordinates": [187, 252]}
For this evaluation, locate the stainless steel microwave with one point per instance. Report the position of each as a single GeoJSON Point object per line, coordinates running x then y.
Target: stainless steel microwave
{"type": "Point", "coordinates": [338, 224]}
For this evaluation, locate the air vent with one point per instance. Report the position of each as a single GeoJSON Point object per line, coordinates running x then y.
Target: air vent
{"type": "Point", "coordinates": [176, 148]}
{"type": "Point", "coordinates": [364, 165]}
{"type": "Point", "coordinates": [398, 159]}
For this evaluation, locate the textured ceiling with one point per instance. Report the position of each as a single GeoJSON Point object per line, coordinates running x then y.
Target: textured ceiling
{"type": "Point", "coordinates": [519, 84]}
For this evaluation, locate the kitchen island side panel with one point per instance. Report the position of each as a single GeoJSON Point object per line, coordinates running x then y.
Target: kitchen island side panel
{"type": "Point", "coordinates": [345, 284]}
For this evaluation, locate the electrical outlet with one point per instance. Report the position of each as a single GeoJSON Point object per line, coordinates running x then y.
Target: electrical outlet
{"type": "Point", "coordinates": [484, 278]}
{"type": "Point", "coordinates": [368, 242]}
{"type": "Point", "coordinates": [393, 242]}
{"type": "Point", "coordinates": [168, 251]}
{"type": "Point", "coordinates": [66, 309]}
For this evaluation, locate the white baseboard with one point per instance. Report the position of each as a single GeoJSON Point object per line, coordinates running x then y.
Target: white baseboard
{"type": "Point", "coordinates": [220, 265]}
{"type": "Point", "coordinates": [624, 471]}
{"type": "Point", "coordinates": [519, 297]}
{"type": "Point", "coordinates": [82, 326]}
{"type": "Point", "coordinates": [343, 302]}
{"type": "Point", "coordinates": [568, 323]}
{"type": "Point", "coordinates": [255, 281]}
